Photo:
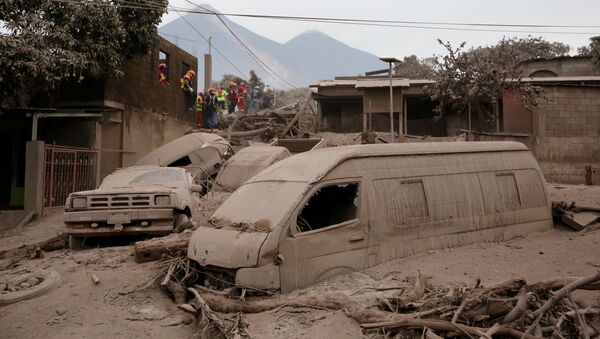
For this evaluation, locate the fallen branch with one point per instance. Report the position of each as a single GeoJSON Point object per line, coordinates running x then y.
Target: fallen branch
{"type": "Point", "coordinates": [442, 325]}
{"type": "Point", "coordinates": [417, 292]}
{"type": "Point", "coordinates": [563, 292]}
{"type": "Point", "coordinates": [519, 309]}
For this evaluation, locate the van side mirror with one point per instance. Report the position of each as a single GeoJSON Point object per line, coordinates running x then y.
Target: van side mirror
{"type": "Point", "coordinates": [196, 188]}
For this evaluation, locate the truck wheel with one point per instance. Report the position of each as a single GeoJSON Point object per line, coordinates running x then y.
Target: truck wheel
{"type": "Point", "coordinates": [76, 243]}
{"type": "Point", "coordinates": [182, 222]}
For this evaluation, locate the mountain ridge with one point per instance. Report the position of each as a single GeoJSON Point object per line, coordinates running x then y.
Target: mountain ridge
{"type": "Point", "coordinates": [304, 59]}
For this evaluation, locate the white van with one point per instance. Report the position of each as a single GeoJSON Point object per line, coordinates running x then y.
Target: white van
{"type": "Point", "coordinates": [336, 210]}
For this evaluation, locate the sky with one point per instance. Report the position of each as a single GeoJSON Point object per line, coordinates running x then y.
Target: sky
{"type": "Point", "coordinates": [400, 42]}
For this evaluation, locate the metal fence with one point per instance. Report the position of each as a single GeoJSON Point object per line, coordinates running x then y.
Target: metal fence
{"type": "Point", "coordinates": [68, 169]}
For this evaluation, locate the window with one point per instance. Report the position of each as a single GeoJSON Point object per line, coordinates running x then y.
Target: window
{"type": "Point", "coordinates": [181, 162]}
{"type": "Point", "coordinates": [544, 73]}
{"type": "Point", "coordinates": [403, 201]}
{"type": "Point", "coordinates": [184, 68]}
{"type": "Point", "coordinates": [454, 196]}
{"type": "Point", "coordinates": [163, 58]}
{"type": "Point", "coordinates": [509, 194]}
{"type": "Point", "coordinates": [330, 205]}
{"type": "Point", "coordinates": [531, 188]}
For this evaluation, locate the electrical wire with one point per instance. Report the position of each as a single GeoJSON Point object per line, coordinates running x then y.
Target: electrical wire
{"type": "Point", "coordinates": [428, 25]}
{"type": "Point", "coordinates": [272, 73]}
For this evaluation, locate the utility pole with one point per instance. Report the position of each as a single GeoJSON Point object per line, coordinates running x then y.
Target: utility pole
{"type": "Point", "coordinates": [208, 66]}
{"type": "Point", "coordinates": [390, 61]}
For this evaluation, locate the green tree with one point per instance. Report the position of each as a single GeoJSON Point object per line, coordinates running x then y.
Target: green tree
{"type": "Point", "coordinates": [595, 50]}
{"type": "Point", "coordinates": [254, 81]}
{"type": "Point", "coordinates": [478, 78]}
{"type": "Point", "coordinates": [414, 68]}
{"type": "Point", "coordinates": [227, 78]}
{"type": "Point", "coordinates": [49, 42]}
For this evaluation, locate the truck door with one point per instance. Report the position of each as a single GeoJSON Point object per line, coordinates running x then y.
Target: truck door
{"type": "Point", "coordinates": [326, 235]}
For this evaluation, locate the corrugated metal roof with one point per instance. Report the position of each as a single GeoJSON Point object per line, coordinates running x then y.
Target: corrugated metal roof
{"type": "Point", "coordinates": [311, 166]}
{"type": "Point", "coordinates": [332, 83]}
{"type": "Point", "coordinates": [371, 83]}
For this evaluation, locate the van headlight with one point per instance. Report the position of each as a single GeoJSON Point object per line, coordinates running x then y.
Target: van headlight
{"type": "Point", "coordinates": [162, 200]}
{"type": "Point", "coordinates": [79, 203]}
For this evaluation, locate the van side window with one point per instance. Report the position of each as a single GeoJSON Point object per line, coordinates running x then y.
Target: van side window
{"type": "Point", "coordinates": [509, 194]}
{"type": "Point", "coordinates": [330, 205]}
{"type": "Point", "coordinates": [531, 188]}
{"type": "Point", "coordinates": [403, 201]}
{"type": "Point", "coordinates": [454, 196]}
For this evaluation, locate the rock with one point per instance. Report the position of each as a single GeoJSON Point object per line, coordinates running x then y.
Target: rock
{"type": "Point", "coordinates": [60, 310]}
{"type": "Point", "coordinates": [25, 285]}
{"type": "Point", "coordinates": [187, 318]}
{"type": "Point", "coordinates": [33, 281]}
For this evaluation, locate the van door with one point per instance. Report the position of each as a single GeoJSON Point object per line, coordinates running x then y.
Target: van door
{"type": "Point", "coordinates": [326, 235]}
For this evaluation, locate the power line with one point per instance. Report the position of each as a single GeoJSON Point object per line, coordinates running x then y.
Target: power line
{"type": "Point", "coordinates": [428, 25]}
{"type": "Point", "coordinates": [274, 75]}
{"type": "Point", "coordinates": [213, 46]}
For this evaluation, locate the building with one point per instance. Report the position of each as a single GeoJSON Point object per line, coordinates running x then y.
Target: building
{"type": "Point", "coordinates": [563, 131]}
{"type": "Point", "coordinates": [89, 129]}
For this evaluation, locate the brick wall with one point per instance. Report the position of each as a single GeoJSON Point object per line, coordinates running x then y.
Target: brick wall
{"type": "Point", "coordinates": [567, 133]}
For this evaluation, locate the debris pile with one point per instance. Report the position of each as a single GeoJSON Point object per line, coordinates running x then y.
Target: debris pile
{"type": "Point", "coordinates": [578, 218]}
{"type": "Point", "coordinates": [290, 121]}
{"type": "Point", "coordinates": [513, 308]}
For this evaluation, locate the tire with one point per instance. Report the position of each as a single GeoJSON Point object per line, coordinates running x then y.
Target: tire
{"type": "Point", "coordinates": [51, 279]}
{"type": "Point", "coordinates": [76, 243]}
{"type": "Point", "coordinates": [182, 222]}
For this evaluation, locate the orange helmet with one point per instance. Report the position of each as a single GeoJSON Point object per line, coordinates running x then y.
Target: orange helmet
{"type": "Point", "coordinates": [212, 90]}
{"type": "Point", "coordinates": [191, 73]}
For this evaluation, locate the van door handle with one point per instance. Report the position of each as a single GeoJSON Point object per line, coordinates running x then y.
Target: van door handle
{"type": "Point", "coordinates": [357, 237]}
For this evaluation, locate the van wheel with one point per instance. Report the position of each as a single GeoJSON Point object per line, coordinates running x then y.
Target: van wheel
{"type": "Point", "coordinates": [76, 243]}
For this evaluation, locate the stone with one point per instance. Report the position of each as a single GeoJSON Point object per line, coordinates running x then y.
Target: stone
{"type": "Point", "coordinates": [60, 310]}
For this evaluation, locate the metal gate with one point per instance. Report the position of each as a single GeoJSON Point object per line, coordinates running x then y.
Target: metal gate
{"type": "Point", "coordinates": [68, 169]}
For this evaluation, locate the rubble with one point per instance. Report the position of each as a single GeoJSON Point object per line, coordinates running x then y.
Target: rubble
{"type": "Point", "coordinates": [576, 217]}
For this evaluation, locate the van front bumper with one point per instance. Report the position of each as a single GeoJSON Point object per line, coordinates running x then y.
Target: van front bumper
{"type": "Point", "coordinates": [261, 278]}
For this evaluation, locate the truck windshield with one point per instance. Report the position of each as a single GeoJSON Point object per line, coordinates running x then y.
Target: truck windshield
{"type": "Point", "coordinates": [259, 206]}
{"type": "Point", "coordinates": [167, 177]}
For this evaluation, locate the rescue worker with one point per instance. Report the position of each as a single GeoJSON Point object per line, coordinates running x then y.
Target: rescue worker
{"type": "Point", "coordinates": [200, 109]}
{"type": "Point", "coordinates": [210, 109]}
{"type": "Point", "coordinates": [254, 99]}
{"type": "Point", "coordinates": [162, 77]}
{"type": "Point", "coordinates": [232, 98]}
{"type": "Point", "coordinates": [221, 98]}
{"type": "Point", "coordinates": [188, 90]}
{"type": "Point", "coordinates": [242, 98]}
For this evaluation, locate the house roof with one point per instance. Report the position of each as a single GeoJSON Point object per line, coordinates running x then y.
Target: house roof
{"type": "Point", "coordinates": [311, 166]}
{"type": "Point", "coordinates": [372, 83]}
{"type": "Point", "coordinates": [563, 79]}
{"type": "Point", "coordinates": [365, 82]}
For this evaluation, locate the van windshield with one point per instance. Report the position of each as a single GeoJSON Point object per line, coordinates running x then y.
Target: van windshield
{"type": "Point", "coordinates": [259, 206]}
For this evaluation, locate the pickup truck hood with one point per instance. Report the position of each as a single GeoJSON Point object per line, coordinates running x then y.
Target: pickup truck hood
{"type": "Point", "coordinates": [225, 247]}
{"type": "Point", "coordinates": [128, 190]}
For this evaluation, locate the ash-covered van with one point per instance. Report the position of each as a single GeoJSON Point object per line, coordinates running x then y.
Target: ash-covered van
{"type": "Point", "coordinates": [336, 210]}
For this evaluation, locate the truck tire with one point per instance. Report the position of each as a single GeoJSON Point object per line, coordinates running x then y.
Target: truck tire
{"type": "Point", "coordinates": [76, 243]}
{"type": "Point", "coordinates": [50, 279]}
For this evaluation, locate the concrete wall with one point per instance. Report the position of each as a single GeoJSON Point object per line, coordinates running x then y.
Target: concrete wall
{"type": "Point", "coordinates": [151, 114]}
{"type": "Point", "coordinates": [567, 133]}
{"type": "Point", "coordinates": [34, 174]}
{"type": "Point", "coordinates": [563, 66]}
